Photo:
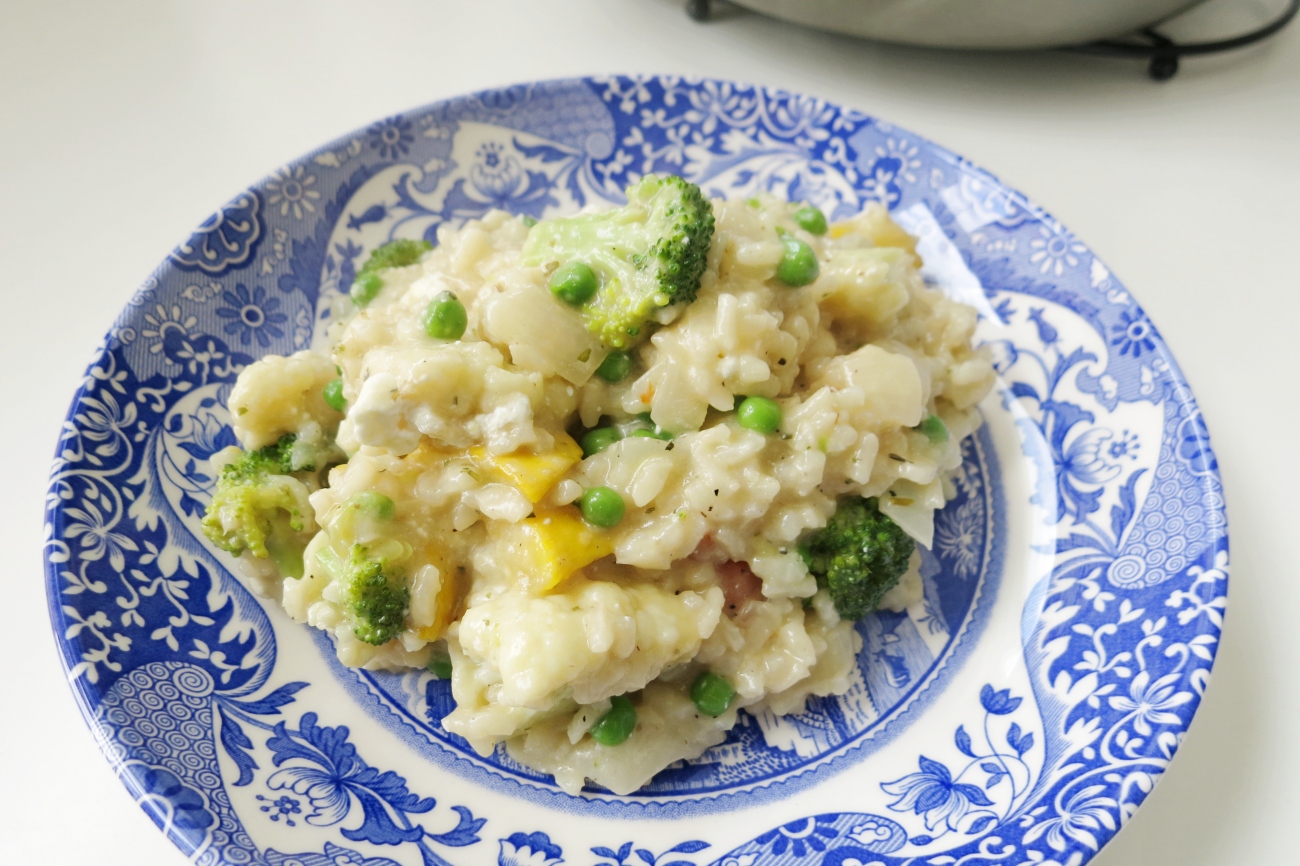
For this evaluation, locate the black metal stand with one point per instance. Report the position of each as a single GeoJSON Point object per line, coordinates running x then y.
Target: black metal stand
{"type": "Point", "coordinates": [1163, 53]}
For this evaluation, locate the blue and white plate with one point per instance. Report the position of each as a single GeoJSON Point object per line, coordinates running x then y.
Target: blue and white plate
{"type": "Point", "coordinates": [1019, 714]}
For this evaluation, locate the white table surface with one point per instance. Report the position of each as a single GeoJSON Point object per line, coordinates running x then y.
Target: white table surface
{"type": "Point", "coordinates": [123, 124]}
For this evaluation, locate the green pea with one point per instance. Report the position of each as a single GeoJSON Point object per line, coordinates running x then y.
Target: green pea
{"type": "Point", "coordinates": [651, 430]}
{"type": "Point", "coordinates": [798, 266]}
{"type": "Point", "coordinates": [934, 429]}
{"type": "Point", "coordinates": [615, 367]}
{"type": "Point", "coordinates": [528, 221]}
{"type": "Point", "coordinates": [333, 394]}
{"type": "Point", "coordinates": [596, 441]}
{"type": "Point", "coordinates": [365, 288]}
{"type": "Point", "coordinates": [440, 667]}
{"type": "Point", "coordinates": [656, 433]}
{"type": "Point", "coordinates": [445, 317]}
{"type": "Point", "coordinates": [615, 726]}
{"type": "Point", "coordinates": [759, 414]}
{"type": "Point", "coordinates": [374, 503]}
{"type": "Point", "coordinates": [574, 283]}
{"type": "Point", "coordinates": [811, 220]}
{"type": "Point", "coordinates": [712, 694]}
{"type": "Point", "coordinates": [602, 507]}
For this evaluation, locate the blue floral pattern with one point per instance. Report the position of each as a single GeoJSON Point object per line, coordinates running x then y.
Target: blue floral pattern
{"type": "Point", "coordinates": [934, 795]}
{"type": "Point", "coordinates": [252, 315]}
{"type": "Point", "coordinates": [281, 807]}
{"type": "Point", "coordinates": [238, 763]}
{"type": "Point", "coordinates": [800, 837]}
{"type": "Point", "coordinates": [974, 798]}
{"type": "Point", "coordinates": [529, 849]}
{"type": "Point", "coordinates": [1133, 334]}
{"type": "Point", "coordinates": [226, 240]}
{"type": "Point", "coordinates": [627, 854]}
{"type": "Point", "coordinates": [392, 138]}
{"type": "Point", "coordinates": [291, 192]}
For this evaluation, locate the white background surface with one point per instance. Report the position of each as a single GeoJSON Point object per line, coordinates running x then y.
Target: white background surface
{"type": "Point", "coordinates": [125, 123]}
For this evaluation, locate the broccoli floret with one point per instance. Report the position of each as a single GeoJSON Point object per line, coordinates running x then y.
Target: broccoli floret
{"type": "Point", "coordinates": [374, 594]}
{"type": "Point", "coordinates": [647, 255]}
{"type": "Point", "coordinates": [276, 459]}
{"type": "Point", "coordinates": [394, 254]}
{"type": "Point", "coordinates": [858, 556]}
{"type": "Point", "coordinates": [290, 453]}
{"type": "Point", "coordinates": [259, 507]}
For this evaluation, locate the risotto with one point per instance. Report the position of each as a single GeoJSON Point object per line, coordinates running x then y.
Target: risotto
{"type": "Point", "coordinates": [616, 476]}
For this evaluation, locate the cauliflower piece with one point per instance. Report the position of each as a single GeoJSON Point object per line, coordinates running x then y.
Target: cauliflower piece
{"type": "Point", "coordinates": [515, 655]}
{"type": "Point", "coordinates": [279, 395]}
{"type": "Point", "coordinates": [886, 387]}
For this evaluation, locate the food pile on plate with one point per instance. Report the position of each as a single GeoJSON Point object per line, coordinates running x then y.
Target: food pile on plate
{"type": "Point", "coordinates": [617, 475]}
